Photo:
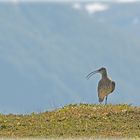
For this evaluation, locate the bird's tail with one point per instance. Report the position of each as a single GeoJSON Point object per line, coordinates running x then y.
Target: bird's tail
{"type": "Point", "coordinates": [101, 100]}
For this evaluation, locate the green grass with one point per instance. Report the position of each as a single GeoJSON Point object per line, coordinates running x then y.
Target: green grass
{"type": "Point", "coordinates": [84, 120]}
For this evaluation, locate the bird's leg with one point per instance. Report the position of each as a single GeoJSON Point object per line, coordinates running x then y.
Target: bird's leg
{"type": "Point", "coordinates": [105, 100]}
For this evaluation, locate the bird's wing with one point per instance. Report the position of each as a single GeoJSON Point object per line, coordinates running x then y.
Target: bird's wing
{"type": "Point", "coordinates": [113, 86]}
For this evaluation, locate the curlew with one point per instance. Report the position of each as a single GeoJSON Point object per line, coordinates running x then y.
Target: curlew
{"type": "Point", "coordinates": [105, 85]}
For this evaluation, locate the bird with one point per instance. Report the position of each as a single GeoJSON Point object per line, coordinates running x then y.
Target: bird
{"type": "Point", "coordinates": [105, 85]}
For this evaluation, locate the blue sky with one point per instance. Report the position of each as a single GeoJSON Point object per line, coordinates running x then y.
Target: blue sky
{"type": "Point", "coordinates": [47, 49]}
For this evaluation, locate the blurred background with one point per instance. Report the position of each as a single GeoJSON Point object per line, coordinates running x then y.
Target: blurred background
{"type": "Point", "coordinates": [48, 48]}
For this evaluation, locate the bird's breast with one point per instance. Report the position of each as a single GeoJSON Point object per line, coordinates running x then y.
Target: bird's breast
{"type": "Point", "coordinates": [105, 85]}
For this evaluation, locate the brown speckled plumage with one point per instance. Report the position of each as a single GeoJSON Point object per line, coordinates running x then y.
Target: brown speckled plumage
{"type": "Point", "coordinates": [105, 85]}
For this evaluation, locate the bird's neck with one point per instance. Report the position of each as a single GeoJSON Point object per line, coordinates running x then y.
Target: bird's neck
{"type": "Point", "coordinates": [104, 74]}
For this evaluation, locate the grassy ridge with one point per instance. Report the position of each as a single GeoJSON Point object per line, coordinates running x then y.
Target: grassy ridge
{"type": "Point", "coordinates": [82, 120]}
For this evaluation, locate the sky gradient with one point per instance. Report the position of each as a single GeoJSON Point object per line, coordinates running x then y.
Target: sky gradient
{"type": "Point", "coordinates": [47, 49]}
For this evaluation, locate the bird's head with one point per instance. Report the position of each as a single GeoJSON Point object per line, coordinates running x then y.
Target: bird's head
{"type": "Point", "coordinates": [101, 71]}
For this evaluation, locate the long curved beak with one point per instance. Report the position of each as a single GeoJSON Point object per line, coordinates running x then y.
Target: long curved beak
{"type": "Point", "coordinates": [92, 73]}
